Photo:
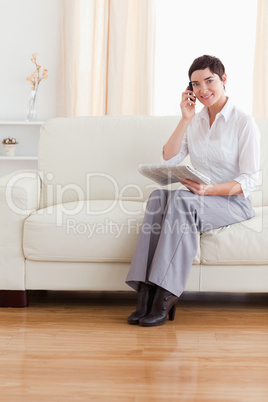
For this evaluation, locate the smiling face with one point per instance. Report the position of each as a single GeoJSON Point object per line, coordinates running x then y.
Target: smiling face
{"type": "Point", "coordinates": [208, 87]}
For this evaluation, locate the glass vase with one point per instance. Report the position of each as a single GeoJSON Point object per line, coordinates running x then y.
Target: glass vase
{"type": "Point", "coordinates": [31, 112]}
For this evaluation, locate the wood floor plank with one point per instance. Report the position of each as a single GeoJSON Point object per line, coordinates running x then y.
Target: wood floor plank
{"type": "Point", "coordinates": [78, 347]}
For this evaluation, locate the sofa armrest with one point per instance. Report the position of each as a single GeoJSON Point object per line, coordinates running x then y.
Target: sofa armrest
{"type": "Point", "coordinates": [19, 196]}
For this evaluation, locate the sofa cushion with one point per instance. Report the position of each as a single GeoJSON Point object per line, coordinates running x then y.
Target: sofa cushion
{"type": "Point", "coordinates": [85, 231]}
{"type": "Point", "coordinates": [243, 243]}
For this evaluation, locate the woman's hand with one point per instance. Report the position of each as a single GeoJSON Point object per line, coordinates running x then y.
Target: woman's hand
{"type": "Point", "coordinates": [188, 104]}
{"type": "Point", "coordinates": [230, 188]}
{"type": "Point", "coordinates": [197, 188]}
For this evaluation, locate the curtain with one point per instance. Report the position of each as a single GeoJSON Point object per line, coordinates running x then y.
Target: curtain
{"type": "Point", "coordinates": [260, 81]}
{"type": "Point", "coordinates": [106, 57]}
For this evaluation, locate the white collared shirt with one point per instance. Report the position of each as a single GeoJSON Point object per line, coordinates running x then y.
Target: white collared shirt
{"type": "Point", "coordinates": [228, 150]}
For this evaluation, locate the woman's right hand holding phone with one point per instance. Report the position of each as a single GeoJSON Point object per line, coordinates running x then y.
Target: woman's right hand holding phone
{"type": "Point", "coordinates": [188, 104]}
{"type": "Point", "coordinates": [173, 145]}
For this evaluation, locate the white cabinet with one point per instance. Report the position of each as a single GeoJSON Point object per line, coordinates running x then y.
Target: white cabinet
{"type": "Point", "coordinates": [27, 136]}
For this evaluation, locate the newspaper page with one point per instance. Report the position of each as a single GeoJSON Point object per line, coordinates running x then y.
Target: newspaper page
{"type": "Point", "coordinates": [164, 174]}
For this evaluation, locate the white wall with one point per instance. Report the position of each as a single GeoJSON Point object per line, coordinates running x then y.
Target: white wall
{"type": "Point", "coordinates": [26, 27]}
{"type": "Point", "coordinates": [188, 29]}
{"type": "Point", "coordinates": [226, 30]}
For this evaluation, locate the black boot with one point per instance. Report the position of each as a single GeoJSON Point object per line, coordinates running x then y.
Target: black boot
{"type": "Point", "coordinates": [145, 300]}
{"type": "Point", "coordinates": [164, 303]}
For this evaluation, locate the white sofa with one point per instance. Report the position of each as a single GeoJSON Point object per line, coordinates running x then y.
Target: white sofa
{"type": "Point", "coordinates": [74, 223]}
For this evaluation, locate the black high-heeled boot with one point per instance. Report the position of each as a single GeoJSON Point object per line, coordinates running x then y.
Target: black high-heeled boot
{"type": "Point", "coordinates": [145, 300]}
{"type": "Point", "coordinates": [164, 304]}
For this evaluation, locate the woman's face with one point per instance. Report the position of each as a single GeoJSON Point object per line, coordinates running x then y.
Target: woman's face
{"type": "Point", "coordinates": [208, 87]}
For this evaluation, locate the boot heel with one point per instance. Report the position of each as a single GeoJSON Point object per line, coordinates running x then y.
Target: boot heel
{"type": "Point", "coordinates": [172, 312]}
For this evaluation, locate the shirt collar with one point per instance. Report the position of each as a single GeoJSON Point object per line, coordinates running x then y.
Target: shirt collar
{"type": "Point", "coordinates": [225, 111]}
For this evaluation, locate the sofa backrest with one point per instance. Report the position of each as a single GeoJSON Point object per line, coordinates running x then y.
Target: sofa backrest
{"type": "Point", "coordinates": [97, 157]}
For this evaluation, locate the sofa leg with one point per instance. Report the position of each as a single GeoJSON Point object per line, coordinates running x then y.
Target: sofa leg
{"type": "Point", "coordinates": [14, 298]}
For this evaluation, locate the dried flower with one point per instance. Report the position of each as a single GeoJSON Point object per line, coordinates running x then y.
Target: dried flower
{"type": "Point", "coordinates": [8, 141]}
{"type": "Point", "coordinates": [35, 78]}
{"type": "Point", "coordinates": [38, 75]}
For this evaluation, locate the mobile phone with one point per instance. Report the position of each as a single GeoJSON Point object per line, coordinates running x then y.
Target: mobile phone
{"type": "Point", "coordinates": [190, 87]}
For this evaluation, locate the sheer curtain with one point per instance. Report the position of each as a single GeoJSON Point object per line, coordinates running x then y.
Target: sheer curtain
{"type": "Point", "coordinates": [107, 57]}
{"type": "Point", "coordinates": [260, 91]}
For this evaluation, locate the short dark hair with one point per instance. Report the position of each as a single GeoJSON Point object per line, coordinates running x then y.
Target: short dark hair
{"type": "Point", "coordinates": [211, 62]}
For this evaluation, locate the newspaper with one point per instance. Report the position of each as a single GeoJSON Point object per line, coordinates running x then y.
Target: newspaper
{"type": "Point", "coordinates": [166, 174]}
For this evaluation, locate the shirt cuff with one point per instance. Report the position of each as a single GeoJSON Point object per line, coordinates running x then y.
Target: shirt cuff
{"type": "Point", "coordinates": [248, 184]}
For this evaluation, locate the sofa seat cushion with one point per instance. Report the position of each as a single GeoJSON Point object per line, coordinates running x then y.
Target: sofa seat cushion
{"type": "Point", "coordinates": [85, 231]}
{"type": "Point", "coordinates": [243, 243]}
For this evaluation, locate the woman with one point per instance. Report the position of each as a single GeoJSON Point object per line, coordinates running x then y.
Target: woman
{"type": "Point", "coordinates": [223, 143]}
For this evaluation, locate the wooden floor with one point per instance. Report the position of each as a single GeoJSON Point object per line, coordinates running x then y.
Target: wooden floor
{"type": "Point", "coordinates": [79, 347]}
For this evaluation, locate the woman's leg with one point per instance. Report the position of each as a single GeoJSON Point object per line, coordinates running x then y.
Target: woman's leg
{"type": "Point", "coordinates": [186, 216]}
{"type": "Point", "coordinates": [196, 214]}
{"type": "Point", "coordinates": [151, 229]}
{"type": "Point", "coordinates": [148, 240]}
{"type": "Point", "coordinates": [169, 237]}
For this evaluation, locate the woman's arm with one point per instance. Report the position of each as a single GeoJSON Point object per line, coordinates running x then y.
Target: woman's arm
{"type": "Point", "coordinates": [173, 145]}
{"type": "Point", "coordinates": [229, 188]}
{"type": "Point", "coordinates": [249, 156]}
{"type": "Point", "coordinates": [249, 159]}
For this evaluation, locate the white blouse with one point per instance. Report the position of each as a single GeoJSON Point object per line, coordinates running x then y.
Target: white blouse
{"type": "Point", "coordinates": [228, 150]}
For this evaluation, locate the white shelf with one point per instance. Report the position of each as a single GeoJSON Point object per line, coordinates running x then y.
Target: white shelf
{"type": "Point", "coordinates": [18, 158]}
{"type": "Point", "coordinates": [20, 123]}
{"type": "Point", "coordinates": [27, 134]}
